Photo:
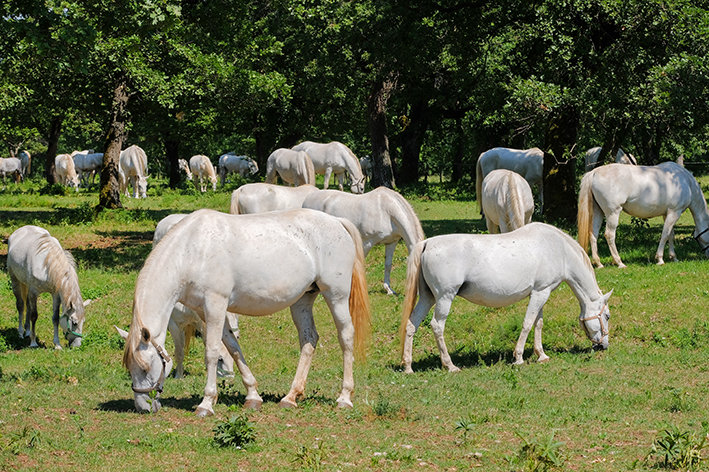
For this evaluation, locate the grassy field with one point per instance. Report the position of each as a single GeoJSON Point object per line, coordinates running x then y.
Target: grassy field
{"type": "Point", "coordinates": [583, 411]}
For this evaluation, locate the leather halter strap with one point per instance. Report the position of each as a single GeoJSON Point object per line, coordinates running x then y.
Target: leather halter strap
{"type": "Point", "coordinates": [604, 331]}
{"type": "Point", "coordinates": [164, 358]}
{"type": "Point", "coordinates": [696, 238]}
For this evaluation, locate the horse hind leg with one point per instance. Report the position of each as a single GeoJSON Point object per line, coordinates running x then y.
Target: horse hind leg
{"type": "Point", "coordinates": [611, 226]}
{"type": "Point", "coordinates": [532, 317]}
{"type": "Point", "coordinates": [302, 314]}
{"type": "Point", "coordinates": [423, 306]}
{"type": "Point", "coordinates": [438, 325]}
{"type": "Point", "coordinates": [56, 307]}
{"type": "Point", "coordinates": [388, 262]}
{"type": "Point", "coordinates": [20, 291]}
{"type": "Point", "coordinates": [230, 340]}
{"type": "Point", "coordinates": [668, 235]}
{"type": "Point", "coordinates": [538, 348]}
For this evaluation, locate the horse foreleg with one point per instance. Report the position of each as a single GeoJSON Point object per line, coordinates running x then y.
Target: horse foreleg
{"type": "Point", "coordinates": [611, 226]}
{"type": "Point", "coordinates": [426, 301]}
{"type": "Point", "coordinates": [31, 320]}
{"type": "Point", "coordinates": [214, 309]}
{"type": "Point", "coordinates": [388, 260]}
{"type": "Point", "coordinates": [178, 339]}
{"type": "Point", "coordinates": [326, 182]}
{"type": "Point", "coordinates": [341, 180]}
{"type": "Point", "coordinates": [56, 307]}
{"type": "Point", "coordinates": [534, 312]}
{"type": "Point", "coordinates": [20, 291]}
{"type": "Point", "coordinates": [302, 314]}
{"type": "Point", "coordinates": [538, 349]}
{"type": "Point", "coordinates": [668, 234]}
{"type": "Point", "coordinates": [231, 341]}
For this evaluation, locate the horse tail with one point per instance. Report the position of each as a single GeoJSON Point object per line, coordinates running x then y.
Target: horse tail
{"type": "Point", "coordinates": [271, 169]}
{"type": "Point", "coordinates": [413, 272]}
{"type": "Point", "coordinates": [234, 206]}
{"type": "Point", "coordinates": [585, 211]}
{"type": "Point", "coordinates": [515, 216]}
{"type": "Point", "coordinates": [479, 182]}
{"type": "Point", "coordinates": [309, 170]}
{"type": "Point", "coordinates": [360, 311]}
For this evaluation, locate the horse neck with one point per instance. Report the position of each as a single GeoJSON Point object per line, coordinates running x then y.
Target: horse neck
{"type": "Point", "coordinates": [352, 165]}
{"type": "Point", "coordinates": [698, 206]}
{"type": "Point", "coordinates": [581, 278]}
{"type": "Point", "coordinates": [409, 222]}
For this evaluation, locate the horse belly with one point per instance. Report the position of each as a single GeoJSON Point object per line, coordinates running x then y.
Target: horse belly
{"type": "Point", "coordinates": [494, 292]}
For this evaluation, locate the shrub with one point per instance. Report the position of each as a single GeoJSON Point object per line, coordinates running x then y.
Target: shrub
{"type": "Point", "coordinates": [237, 432]}
{"type": "Point", "coordinates": [675, 449]}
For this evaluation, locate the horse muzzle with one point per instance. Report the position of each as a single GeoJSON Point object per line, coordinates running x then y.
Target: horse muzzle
{"type": "Point", "coordinates": [144, 404]}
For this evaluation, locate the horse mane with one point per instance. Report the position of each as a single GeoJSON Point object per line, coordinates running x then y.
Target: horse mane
{"type": "Point", "coordinates": [61, 269]}
{"type": "Point", "coordinates": [356, 165]}
{"type": "Point", "coordinates": [137, 325]}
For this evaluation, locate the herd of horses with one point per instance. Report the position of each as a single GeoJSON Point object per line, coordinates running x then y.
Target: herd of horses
{"type": "Point", "coordinates": [281, 246]}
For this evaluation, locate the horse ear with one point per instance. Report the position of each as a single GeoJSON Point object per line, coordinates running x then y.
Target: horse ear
{"type": "Point", "coordinates": [87, 302]}
{"type": "Point", "coordinates": [124, 334]}
{"type": "Point", "coordinates": [145, 335]}
{"type": "Point", "coordinates": [607, 296]}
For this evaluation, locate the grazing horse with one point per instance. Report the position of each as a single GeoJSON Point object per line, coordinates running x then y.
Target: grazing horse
{"type": "Point", "coordinates": [231, 163]}
{"type": "Point", "coordinates": [643, 191]}
{"type": "Point", "coordinates": [37, 264]}
{"type": "Point", "coordinates": [259, 197]}
{"type": "Point", "coordinates": [294, 167]}
{"type": "Point", "coordinates": [528, 163]}
{"type": "Point", "coordinates": [507, 201]}
{"type": "Point", "coordinates": [334, 158]}
{"type": "Point", "coordinates": [183, 165]}
{"type": "Point", "coordinates": [66, 173]}
{"type": "Point", "coordinates": [382, 216]}
{"type": "Point", "coordinates": [87, 164]}
{"type": "Point", "coordinates": [26, 161]}
{"type": "Point", "coordinates": [10, 165]}
{"type": "Point", "coordinates": [254, 265]}
{"type": "Point", "coordinates": [184, 321]}
{"type": "Point", "coordinates": [620, 158]}
{"type": "Point", "coordinates": [497, 270]}
{"type": "Point", "coordinates": [133, 165]}
{"type": "Point", "coordinates": [203, 169]}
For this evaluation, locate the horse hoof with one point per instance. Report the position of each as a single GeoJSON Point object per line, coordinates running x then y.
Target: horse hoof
{"type": "Point", "coordinates": [542, 359]}
{"type": "Point", "coordinates": [287, 404]}
{"type": "Point", "coordinates": [408, 370]}
{"type": "Point", "coordinates": [344, 404]}
{"type": "Point", "coordinates": [202, 412]}
{"type": "Point", "coordinates": [453, 369]}
{"type": "Point", "coordinates": [253, 404]}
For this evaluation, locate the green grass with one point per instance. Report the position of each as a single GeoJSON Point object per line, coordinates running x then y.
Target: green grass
{"type": "Point", "coordinates": [597, 411]}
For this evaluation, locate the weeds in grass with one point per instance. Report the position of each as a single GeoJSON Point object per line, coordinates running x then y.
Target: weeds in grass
{"type": "Point", "coordinates": [381, 407]}
{"type": "Point", "coordinates": [537, 457]}
{"type": "Point", "coordinates": [466, 426]}
{"type": "Point", "coordinates": [310, 458]}
{"type": "Point", "coordinates": [675, 449]}
{"type": "Point", "coordinates": [679, 400]}
{"type": "Point", "coordinates": [237, 432]}
{"type": "Point", "coordinates": [27, 438]}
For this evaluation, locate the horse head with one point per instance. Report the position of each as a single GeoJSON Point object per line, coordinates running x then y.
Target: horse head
{"type": "Point", "coordinates": [702, 238]}
{"type": "Point", "coordinates": [72, 322]}
{"type": "Point", "coordinates": [595, 321]}
{"type": "Point", "coordinates": [253, 167]}
{"type": "Point", "coordinates": [358, 185]}
{"type": "Point", "coordinates": [142, 187]}
{"type": "Point", "coordinates": [149, 365]}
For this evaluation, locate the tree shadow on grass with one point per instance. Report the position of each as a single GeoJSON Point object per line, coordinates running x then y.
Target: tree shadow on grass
{"type": "Point", "coordinates": [437, 227]}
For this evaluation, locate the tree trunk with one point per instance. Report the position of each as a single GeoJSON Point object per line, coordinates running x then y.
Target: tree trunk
{"type": "Point", "coordinates": [461, 144]}
{"type": "Point", "coordinates": [382, 172]}
{"type": "Point", "coordinates": [110, 194]}
{"type": "Point", "coordinates": [411, 141]}
{"type": "Point", "coordinates": [171, 151]}
{"type": "Point", "coordinates": [55, 130]}
{"type": "Point", "coordinates": [560, 200]}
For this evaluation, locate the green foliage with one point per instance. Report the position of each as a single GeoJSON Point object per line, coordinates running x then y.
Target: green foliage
{"type": "Point", "coordinates": [310, 458]}
{"type": "Point", "coordinates": [237, 432]}
{"type": "Point", "coordinates": [537, 457]}
{"type": "Point", "coordinates": [678, 450]}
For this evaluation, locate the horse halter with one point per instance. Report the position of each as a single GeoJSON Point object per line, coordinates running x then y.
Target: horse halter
{"type": "Point", "coordinates": [64, 320]}
{"type": "Point", "coordinates": [696, 238]}
{"type": "Point", "coordinates": [599, 317]}
{"type": "Point", "coordinates": [164, 358]}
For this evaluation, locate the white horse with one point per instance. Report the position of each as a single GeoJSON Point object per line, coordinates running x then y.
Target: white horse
{"type": "Point", "coordinates": [184, 165]}
{"type": "Point", "coordinates": [184, 321]}
{"type": "Point", "coordinates": [253, 265]}
{"type": "Point", "coordinates": [382, 216]}
{"type": "Point", "coordinates": [334, 158]}
{"type": "Point", "coordinates": [528, 163]}
{"type": "Point", "coordinates": [620, 158]}
{"type": "Point", "coordinates": [294, 167]}
{"type": "Point", "coordinates": [87, 165]}
{"type": "Point", "coordinates": [26, 161]}
{"type": "Point", "coordinates": [231, 163]}
{"type": "Point", "coordinates": [66, 173]}
{"type": "Point", "coordinates": [643, 191]}
{"type": "Point", "coordinates": [498, 270]}
{"type": "Point", "coordinates": [10, 165]}
{"type": "Point", "coordinates": [507, 201]}
{"type": "Point", "coordinates": [260, 197]}
{"type": "Point", "coordinates": [37, 264]}
{"type": "Point", "coordinates": [133, 165]}
{"type": "Point", "coordinates": [366, 164]}
{"type": "Point", "coordinates": [202, 169]}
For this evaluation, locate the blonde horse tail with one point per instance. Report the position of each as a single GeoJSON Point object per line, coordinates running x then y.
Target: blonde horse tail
{"type": "Point", "coordinates": [309, 170]}
{"type": "Point", "coordinates": [479, 183]}
{"type": "Point", "coordinates": [360, 311]}
{"type": "Point", "coordinates": [585, 212]}
{"type": "Point", "coordinates": [234, 206]}
{"type": "Point", "coordinates": [515, 216]}
{"type": "Point", "coordinates": [413, 271]}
